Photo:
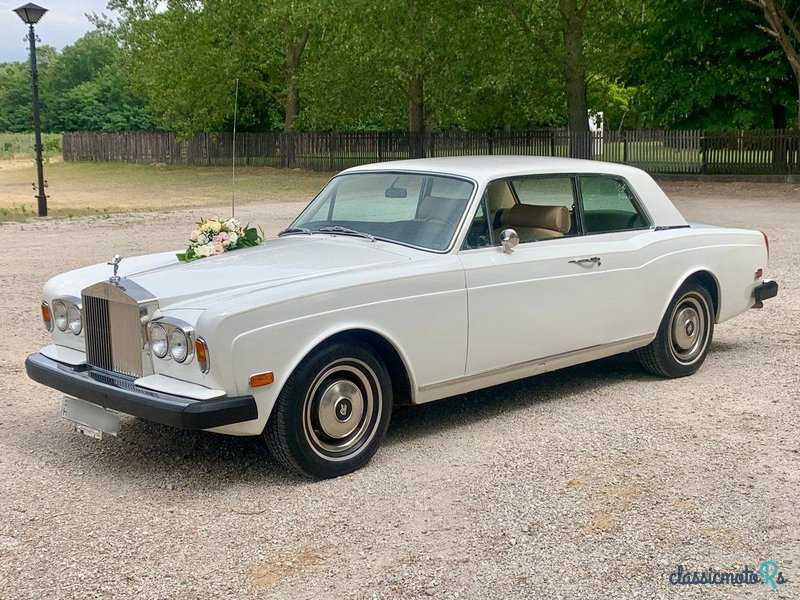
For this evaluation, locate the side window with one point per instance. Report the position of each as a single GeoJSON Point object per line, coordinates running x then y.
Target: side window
{"type": "Point", "coordinates": [537, 208]}
{"type": "Point", "coordinates": [478, 235]}
{"type": "Point", "coordinates": [545, 191]}
{"type": "Point", "coordinates": [608, 205]}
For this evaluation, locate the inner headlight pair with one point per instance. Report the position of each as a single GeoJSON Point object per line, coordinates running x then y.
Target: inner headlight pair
{"type": "Point", "coordinates": [173, 338]}
{"type": "Point", "coordinates": [67, 314]}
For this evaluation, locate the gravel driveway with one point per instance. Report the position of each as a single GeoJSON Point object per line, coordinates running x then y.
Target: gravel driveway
{"type": "Point", "coordinates": [595, 481]}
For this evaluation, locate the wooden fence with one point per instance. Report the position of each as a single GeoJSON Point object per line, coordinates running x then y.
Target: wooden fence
{"type": "Point", "coordinates": [663, 152]}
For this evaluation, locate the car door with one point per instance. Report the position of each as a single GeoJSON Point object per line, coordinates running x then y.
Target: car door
{"type": "Point", "coordinates": [559, 290]}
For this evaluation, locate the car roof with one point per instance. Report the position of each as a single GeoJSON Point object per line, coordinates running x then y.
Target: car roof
{"type": "Point", "coordinates": [487, 168]}
{"type": "Point", "coordinates": [484, 169]}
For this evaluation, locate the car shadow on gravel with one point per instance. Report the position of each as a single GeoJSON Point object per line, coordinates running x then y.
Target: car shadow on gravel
{"type": "Point", "coordinates": [206, 461]}
{"type": "Point", "coordinates": [410, 422]}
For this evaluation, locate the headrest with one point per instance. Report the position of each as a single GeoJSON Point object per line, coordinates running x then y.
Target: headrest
{"type": "Point", "coordinates": [555, 218]}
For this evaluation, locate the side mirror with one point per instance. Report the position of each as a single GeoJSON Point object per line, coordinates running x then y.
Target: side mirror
{"type": "Point", "coordinates": [509, 239]}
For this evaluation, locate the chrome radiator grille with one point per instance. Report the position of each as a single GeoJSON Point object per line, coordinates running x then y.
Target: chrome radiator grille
{"type": "Point", "coordinates": [114, 320]}
{"type": "Point", "coordinates": [98, 333]}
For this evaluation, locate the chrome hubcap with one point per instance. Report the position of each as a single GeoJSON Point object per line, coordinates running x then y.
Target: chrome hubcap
{"type": "Point", "coordinates": [342, 409]}
{"type": "Point", "coordinates": [688, 331]}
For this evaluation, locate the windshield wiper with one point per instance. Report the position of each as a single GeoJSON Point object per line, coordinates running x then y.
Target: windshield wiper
{"type": "Point", "coordinates": [295, 230]}
{"type": "Point", "coordinates": [345, 231]}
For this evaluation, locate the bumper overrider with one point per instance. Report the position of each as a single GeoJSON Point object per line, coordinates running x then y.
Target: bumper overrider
{"type": "Point", "coordinates": [119, 393]}
{"type": "Point", "coordinates": [766, 290]}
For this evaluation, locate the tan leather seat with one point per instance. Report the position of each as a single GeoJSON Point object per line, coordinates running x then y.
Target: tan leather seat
{"type": "Point", "coordinates": [440, 208]}
{"type": "Point", "coordinates": [533, 222]}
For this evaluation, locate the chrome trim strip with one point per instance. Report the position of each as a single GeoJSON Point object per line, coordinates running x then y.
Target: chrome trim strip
{"type": "Point", "coordinates": [539, 362]}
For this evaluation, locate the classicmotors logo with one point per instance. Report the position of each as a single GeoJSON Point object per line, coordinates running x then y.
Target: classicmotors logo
{"type": "Point", "coordinates": [767, 573]}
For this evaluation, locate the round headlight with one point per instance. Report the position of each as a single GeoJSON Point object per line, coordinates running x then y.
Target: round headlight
{"type": "Point", "coordinates": [178, 345]}
{"type": "Point", "coordinates": [60, 314]}
{"type": "Point", "coordinates": [74, 319]}
{"type": "Point", "coordinates": [158, 341]}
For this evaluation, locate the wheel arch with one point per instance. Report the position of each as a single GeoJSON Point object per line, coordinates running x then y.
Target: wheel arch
{"type": "Point", "coordinates": [396, 364]}
{"type": "Point", "coordinates": [709, 281]}
{"type": "Point", "coordinates": [705, 277]}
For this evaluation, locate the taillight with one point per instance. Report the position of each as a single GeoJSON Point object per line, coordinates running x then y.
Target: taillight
{"type": "Point", "coordinates": [766, 242]}
{"type": "Point", "coordinates": [47, 317]}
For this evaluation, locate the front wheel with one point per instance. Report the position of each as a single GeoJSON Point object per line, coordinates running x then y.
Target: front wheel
{"type": "Point", "coordinates": [685, 333]}
{"type": "Point", "coordinates": [332, 414]}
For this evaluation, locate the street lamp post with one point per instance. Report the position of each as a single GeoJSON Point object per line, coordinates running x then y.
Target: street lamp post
{"type": "Point", "coordinates": [31, 14]}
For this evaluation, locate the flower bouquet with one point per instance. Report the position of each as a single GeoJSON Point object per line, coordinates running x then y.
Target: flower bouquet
{"type": "Point", "coordinates": [216, 236]}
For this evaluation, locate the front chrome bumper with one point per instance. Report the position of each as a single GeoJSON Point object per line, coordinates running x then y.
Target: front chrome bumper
{"type": "Point", "coordinates": [121, 394]}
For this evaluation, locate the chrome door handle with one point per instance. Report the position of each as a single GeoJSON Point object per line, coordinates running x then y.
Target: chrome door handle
{"type": "Point", "coordinates": [595, 260]}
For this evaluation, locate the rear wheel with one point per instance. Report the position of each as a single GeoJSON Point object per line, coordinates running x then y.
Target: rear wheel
{"type": "Point", "coordinates": [333, 412]}
{"type": "Point", "coordinates": [682, 341]}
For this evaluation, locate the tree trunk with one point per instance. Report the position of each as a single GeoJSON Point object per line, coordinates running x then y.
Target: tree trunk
{"type": "Point", "coordinates": [416, 115]}
{"type": "Point", "coordinates": [291, 105]}
{"type": "Point", "coordinates": [786, 31]}
{"type": "Point", "coordinates": [574, 18]}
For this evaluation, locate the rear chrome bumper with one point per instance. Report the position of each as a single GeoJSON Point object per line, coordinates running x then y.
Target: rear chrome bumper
{"type": "Point", "coordinates": [121, 394]}
{"type": "Point", "coordinates": [766, 290]}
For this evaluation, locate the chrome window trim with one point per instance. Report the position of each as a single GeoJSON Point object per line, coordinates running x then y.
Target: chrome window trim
{"type": "Point", "coordinates": [636, 201]}
{"type": "Point", "coordinates": [457, 232]}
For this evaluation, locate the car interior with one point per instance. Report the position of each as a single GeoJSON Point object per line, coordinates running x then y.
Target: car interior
{"type": "Point", "coordinates": [543, 208]}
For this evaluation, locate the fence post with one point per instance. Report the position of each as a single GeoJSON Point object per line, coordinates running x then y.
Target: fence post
{"type": "Point", "coordinates": [703, 153]}
{"type": "Point", "coordinates": [624, 147]}
{"type": "Point", "coordinates": [490, 141]}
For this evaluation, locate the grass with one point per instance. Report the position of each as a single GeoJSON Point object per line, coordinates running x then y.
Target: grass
{"type": "Point", "coordinates": [76, 189]}
{"type": "Point", "coordinates": [21, 145]}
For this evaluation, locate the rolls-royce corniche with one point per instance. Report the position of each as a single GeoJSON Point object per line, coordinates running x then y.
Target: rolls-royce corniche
{"type": "Point", "coordinates": [401, 282]}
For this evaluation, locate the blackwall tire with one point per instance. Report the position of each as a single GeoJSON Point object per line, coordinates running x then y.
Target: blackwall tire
{"type": "Point", "coordinates": [681, 344]}
{"type": "Point", "coordinates": [333, 412]}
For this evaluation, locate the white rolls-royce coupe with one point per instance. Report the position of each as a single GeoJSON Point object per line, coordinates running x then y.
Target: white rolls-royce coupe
{"type": "Point", "coordinates": [401, 282]}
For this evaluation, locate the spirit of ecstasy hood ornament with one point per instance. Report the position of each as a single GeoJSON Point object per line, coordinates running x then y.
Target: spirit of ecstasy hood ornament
{"type": "Point", "coordinates": [114, 262]}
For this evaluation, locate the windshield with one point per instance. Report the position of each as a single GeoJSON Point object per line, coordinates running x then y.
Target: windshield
{"type": "Point", "coordinates": [415, 209]}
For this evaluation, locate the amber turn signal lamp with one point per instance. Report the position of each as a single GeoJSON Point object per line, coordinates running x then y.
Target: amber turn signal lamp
{"type": "Point", "coordinates": [261, 379]}
{"type": "Point", "coordinates": [47, 317]}
{"type": "Point", "coordinates": [201, 352]}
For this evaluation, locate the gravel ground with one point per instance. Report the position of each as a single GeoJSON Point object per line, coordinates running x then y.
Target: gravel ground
{"type": "Point", "coordinates": [595, 481]}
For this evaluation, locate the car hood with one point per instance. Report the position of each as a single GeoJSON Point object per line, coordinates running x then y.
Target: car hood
{"type": "Point", "coordinates": [202, 282]}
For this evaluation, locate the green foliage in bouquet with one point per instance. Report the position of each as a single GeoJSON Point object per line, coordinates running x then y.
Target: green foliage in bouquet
{"type": "Point", "coordinates": [217, 236]}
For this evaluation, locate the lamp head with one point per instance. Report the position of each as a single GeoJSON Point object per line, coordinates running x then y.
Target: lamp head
{"type": "Point", "coordinates": [30, 13]}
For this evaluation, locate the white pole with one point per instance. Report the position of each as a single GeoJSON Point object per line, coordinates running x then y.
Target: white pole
{"type": "Point", "coordinates": [233, 157]}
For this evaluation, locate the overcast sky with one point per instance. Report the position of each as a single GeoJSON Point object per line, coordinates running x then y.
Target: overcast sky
{"type": "Point", "coordinates": [64, 23]}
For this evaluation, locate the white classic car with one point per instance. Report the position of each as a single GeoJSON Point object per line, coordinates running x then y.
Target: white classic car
{"type": "Point", "coordinates": [401, 282]}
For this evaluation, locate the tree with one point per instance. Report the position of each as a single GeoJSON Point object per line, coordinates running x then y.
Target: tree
{"type": "Point", "coordinates": [785, 28]}
{"type": "Point", "coordinates": [86, 88]}
{"type": "Point", "coordinates": [186, 56]}
{"type": "Point", "coordinates": [573, 16]}
{"type": "Point", "coordinates": [702, 64]}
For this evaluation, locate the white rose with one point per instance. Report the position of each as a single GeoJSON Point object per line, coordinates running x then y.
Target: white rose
{"type": "Point", "coordinates": [204, 250]}
{"type": "Point", "coordinates": [233, 224]}
{"type": "Point", "coordinates": [202, 238]}
{"type": "Point", "coordinates": [233, 237]}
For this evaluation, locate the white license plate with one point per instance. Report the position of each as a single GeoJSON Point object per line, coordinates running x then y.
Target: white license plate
{"type": "Point", "coordinates": [89, 418]}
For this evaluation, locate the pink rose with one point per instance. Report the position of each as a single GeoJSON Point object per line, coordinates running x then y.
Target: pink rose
{"type": "Point", "coordinates": [218, 249]}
